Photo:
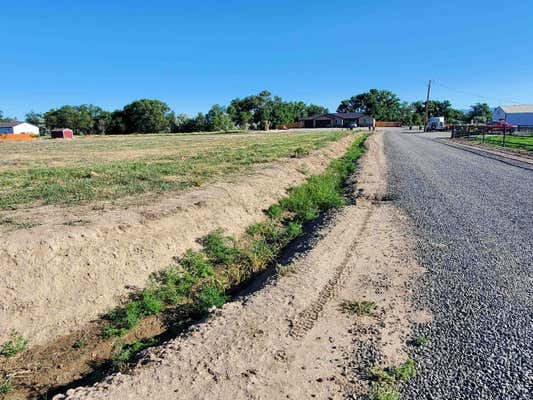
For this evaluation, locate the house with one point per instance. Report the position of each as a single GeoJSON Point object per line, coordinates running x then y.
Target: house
{"type": "Point", "coordinates": [16, 127]}
{"type": "Point", "coordinates": [337, 120]}
{"type": "Point", "coordinates": [62, 133]}
{"type": "Point", "coordinates": [516, 115]}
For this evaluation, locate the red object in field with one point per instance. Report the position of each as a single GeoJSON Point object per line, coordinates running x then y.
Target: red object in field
{"type": "Point", "coordinates": [62, 134]}
{"type": "Point", "coordinates": [500, 126]}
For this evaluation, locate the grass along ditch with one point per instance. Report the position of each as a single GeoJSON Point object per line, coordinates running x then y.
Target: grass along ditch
{"type": "Point", "coordinates": [180, 295]}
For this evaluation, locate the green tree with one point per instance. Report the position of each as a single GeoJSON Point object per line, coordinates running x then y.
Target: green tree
{"type": "Point", "coordinates": [217, 119]}
{"type": "Point", "coordinates": [63, 117]}
{"type": "Point", "coordinates": [480, 112]}
{"type": "Point", "coordinates": [439, 109]}
{"type": "Point", "coordinates": [313, 109]}
{"type": "Point", "coordinates": [101, 122]}
{"type": "Point", "coordinates": [36, 119]}
{"type": "Point", "coordinates": [146, 116]}
{"type": "Point", "coordinates": [383, 105]}
{"type": "Point", "coordinates": [116, 124]}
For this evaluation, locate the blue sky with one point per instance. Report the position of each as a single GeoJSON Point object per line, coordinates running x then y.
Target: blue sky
{"type": "Point", "coordinates": [194, 54]}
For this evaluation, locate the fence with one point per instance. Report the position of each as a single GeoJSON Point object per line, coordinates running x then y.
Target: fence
{"type": "Point", "coordinates": [388, 124]}
{"type": "Point", "coordinates": [517, 138]}
{"type": "Point", "coordinates": [16, 137]}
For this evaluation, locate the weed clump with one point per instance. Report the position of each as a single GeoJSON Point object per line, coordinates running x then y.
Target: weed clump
{"type": "Point", "coordinates": [5, 387]}
{"type": "Point", "coordinates": [420, 341]}
{"type": "Point", "coordinates": [388, 379]}
{"type": "Point", "coordinates": [359, 308]}
{"type": "Point", "coordinates": [15, 345]}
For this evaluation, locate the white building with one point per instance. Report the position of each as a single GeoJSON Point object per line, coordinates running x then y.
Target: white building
{"type": "Point", "coordinates": [16, 127]}
{"type": "Point", "coordinates": [516, 115]}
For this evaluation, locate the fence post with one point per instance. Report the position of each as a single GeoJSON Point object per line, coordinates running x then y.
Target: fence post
{"type": "Point", "coordinates": [503, 143]}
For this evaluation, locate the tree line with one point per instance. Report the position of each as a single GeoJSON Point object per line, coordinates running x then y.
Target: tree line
{"type": "Point", "coordinates": [261, 111]}
{"type": "Point", "coordinates": [384, 105]}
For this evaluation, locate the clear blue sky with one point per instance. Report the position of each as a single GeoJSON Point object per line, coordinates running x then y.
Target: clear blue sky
{"type": "Point", "coordinates": [193, 54]}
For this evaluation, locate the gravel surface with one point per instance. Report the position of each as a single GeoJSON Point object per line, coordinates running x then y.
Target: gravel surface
{"type": "Point", "coordinates": [475, 219]}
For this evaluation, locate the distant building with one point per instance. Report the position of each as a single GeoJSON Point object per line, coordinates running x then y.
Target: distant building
{"type": "Point", "coordinates": [337, 120]}
{"type": "Point", "coordinates": [516, 115]}
{"type": "Point", "coordinates": [63, 133]}
{"type": "Point", "coordinates": [16, 127]}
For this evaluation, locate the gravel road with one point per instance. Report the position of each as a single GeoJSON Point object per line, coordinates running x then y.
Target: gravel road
{"type": "Point", "coordinates": [475, 219]}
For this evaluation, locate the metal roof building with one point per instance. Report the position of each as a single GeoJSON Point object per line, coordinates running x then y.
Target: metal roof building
{"type": "Point", "coordinates": [516, 115]}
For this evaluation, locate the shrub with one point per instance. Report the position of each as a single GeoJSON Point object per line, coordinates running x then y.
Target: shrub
{"type": "Point", "coordinates": [210, 296]}
{"type": "Point", "coordinates": [220, 249]}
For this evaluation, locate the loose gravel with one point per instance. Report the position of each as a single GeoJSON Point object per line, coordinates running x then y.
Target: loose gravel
{"type": "Point", "coordinates": [474, 216]}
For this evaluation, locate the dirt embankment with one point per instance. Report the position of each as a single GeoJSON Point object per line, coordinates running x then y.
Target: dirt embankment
{"type": "Point", "coordinates": [81, 261]}
{"type": "Point", "coordinates": [291, 339]}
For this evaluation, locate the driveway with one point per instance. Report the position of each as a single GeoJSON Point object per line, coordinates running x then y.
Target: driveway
{"type": "Point", "coordinates": [474, 216]}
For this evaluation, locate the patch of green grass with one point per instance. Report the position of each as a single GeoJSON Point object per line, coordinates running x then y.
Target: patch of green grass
{"type": "Point", "coordinates": [108, 168]}
{"type": "Point", "coordinates": [202, 278]}
{"type": "Point", "coordinates": [359, 308]}
{"type": "Point", "coordinates": [384, 392]}
{"type": "Point", "coordinates": [387, 380]}
{"type": "Point", "coordinates": [300, 152]}
{"type": "Point", "coordinates": [405, 371]}
{"type": "Point", "coordinates": [5, 387]}
{"type": "Point", "coordinates": [514, 142]}
{"type": "Point", "coordinates": [420, 341]}
{"type": "Point", "coordinates": [15, 345]}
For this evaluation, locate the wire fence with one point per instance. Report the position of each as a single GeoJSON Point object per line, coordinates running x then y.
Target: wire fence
{"type": "Point", "coordinates": [520, 137]}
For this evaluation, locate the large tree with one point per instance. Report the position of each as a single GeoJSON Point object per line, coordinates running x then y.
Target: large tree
{"type": "Point", "coordinates": [146, 115]}
{"type": "Point", "coordinates": [217, 119]}
{"type": "Point", "coordinates": [439, 109]}
{"type": "Point", "coordinates": [264, 111]}
{"type": "Point", "coordinates": [382, 105]}
{"type": "Point", "coordinates": [63, 117]}
{"type": "Point", "coordinates": [480, 112]}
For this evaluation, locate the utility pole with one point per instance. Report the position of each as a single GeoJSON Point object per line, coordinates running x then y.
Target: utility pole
{"type": "Point", "coordinates": [426, 115]}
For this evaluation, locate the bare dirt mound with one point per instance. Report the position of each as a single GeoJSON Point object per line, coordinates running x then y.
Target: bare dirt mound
{"type": "Point", "coordinates": [81, 261]}
{"type": "Point", "coordinates": [292, 339]}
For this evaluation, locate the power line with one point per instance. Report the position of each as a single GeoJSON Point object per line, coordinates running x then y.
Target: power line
{"type": "Point", "coordinates": [473, 94]}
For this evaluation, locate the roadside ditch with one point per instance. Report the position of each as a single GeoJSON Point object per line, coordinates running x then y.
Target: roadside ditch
{"type": "Point", "coordinates": [204, 278]}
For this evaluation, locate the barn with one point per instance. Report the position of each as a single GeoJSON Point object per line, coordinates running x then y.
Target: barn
{"type": "Point", "coordinates": [337, 120]}
{"type": "Point", "coordinates": [62, 133]}
{"type": "Point", "coordinates": [516, 115]}
{"type": "Point", "coordinates": [17, 128]}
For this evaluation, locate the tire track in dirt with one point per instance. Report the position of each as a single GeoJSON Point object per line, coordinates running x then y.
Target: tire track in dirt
{"type": "Point", "coordinates": [306, 319]}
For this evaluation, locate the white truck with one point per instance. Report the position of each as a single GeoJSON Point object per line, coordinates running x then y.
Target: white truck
{"type": "Point", "coordinates": [436, 124]}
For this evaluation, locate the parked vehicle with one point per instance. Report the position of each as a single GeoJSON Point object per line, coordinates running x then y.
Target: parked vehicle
{"type": "Point", "coordinates": [500, 126]}
{"type": "Point", "coordinates": [436, 124]}
{"type": "Point", "coordinates": [352, 125]}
